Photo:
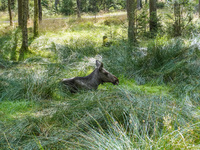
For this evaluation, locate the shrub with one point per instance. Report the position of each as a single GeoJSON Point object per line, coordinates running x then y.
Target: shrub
{"type": "Point", "coordinates": [67, 7]}
{"type": "Point", "coordinates": [160, 5]}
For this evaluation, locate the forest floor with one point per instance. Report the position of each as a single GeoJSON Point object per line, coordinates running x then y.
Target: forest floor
{"type": "Point", "coordinates": [155, 106]}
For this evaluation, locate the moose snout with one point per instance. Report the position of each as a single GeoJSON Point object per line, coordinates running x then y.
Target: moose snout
{"type": "Point", "coordinates": [116, 81]}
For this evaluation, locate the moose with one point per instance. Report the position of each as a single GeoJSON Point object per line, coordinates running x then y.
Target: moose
{"type": "Point", "coordinates": [92, 81]}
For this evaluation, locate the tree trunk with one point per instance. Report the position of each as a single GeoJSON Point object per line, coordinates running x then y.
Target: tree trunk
{"type": "Point", "coordinates": [177, 23]}
{"type": "Point", "coordinates": [153, 16]}
{"type": "Point", "coordinates": [139, 4]}
{"type": "Point", "coordinates": [78, 8]}
{"type": "Point", "coordinates": [10, 12]}
{"type": "Point", "coordinates": [20, 13]}
{"type": "Point", "coordinates": [131, 7]}
{"type": "Point", "coordinates": [36, 17]}
{"type": "Point", "coordinates": [28, 13]}
{"type": "Point", "coordinates": [40, 11]}
{"type": "Point", "coordinates": [56, 4]}
{"type": "Point", "coordinates": [24, 48]}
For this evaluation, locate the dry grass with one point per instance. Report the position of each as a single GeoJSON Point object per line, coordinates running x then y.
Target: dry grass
{"type": "Point", "coordinates": [65, 23]}
{"type": "Point", "coordinates": [52, 25]}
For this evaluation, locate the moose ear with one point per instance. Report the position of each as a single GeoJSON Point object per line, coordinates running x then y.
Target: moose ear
{"type": "Point", "coordinates": [99, 64]}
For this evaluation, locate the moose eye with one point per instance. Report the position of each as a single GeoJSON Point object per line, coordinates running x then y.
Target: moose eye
{"type": "Point", "coordinates": [106, 73]}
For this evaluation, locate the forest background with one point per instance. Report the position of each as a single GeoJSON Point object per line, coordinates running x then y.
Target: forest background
{"type": "Point", "coordinates": [151, 46]}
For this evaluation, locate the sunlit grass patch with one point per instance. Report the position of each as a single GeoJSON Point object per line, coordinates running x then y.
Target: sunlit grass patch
{"type": "Point", "coordinates": [148, 89]}
{"type": "Point", "coordinates": [78, 43]}
{"type": "Point", "coordinates": [4, 16]}
{"type": "Point", "coordinates": [5, 29]}
{"type": "Point", "coordinates": [84, 36]}
{"type": "Point", "coordinates": [52, 25]}
{"type": "Point", "coordinates": [11, 110]}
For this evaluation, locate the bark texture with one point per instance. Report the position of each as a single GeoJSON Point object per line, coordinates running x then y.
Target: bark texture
{"type": "Point", "coordinates": [40, 11]}
{"type": "Point", "coordinates": [20, 13]}
{"type": "Point", "coordinates": [153, 16]}
{"type": "Point", "coordinates": [10, 12]}
{"type": "Point", "coordinates": [78, 8]}
{"type": "Point", "coordinates": [177, 22]}
{"type": "Point", "coordinates": [131, 7]}
{"type": "Point", "coordinates": [24, 48]}
{"type": "Point", "coordinates": [36, 18]}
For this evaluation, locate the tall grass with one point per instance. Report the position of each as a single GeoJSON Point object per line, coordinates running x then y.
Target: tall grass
{"type": "Point", "coordinates": [155, 106]}
{"type": "Point", "coordinates": [117, 119]}
{"type": "Point", "coordinates": [119, 138]}
{"type": "Point", "coordinates": [172, 61]}
{"type": "Point", "coordinates": [31, 82]}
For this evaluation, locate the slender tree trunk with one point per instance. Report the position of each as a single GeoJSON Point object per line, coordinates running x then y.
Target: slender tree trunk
{"type": "Point", "coordinates": [153, 16]}
{"type": "Point", "coordinates": [24, 48]}
{"type": "Point", "coordinates": [177, 23]}
{"type": "Point", "coordinates": [131, 7]}
{"type": "Point", "coordinates": [36, 18]}
{"type": "Point", "coordinates": [10, 12]}
{"type": "Point", "coordinates": [40, 11]}
{"type": "Point", "coordinates": [56, 8]}
{"type": "Point", "coordinates": [19, 13]}
{"type": "Point", "coordinates": [139, 4]}
{"type": "Point", "coordinates": [56, 4]}
{"type": "Point", "coordinates": [28, 13]}
{"type": "Point", "coordinates": [78, 8]}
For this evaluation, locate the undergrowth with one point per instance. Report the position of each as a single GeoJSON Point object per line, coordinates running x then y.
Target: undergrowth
{"type": "Point", "coordinates": [155, 105]}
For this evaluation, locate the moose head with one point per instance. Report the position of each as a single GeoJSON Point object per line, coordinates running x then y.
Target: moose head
{"type": "Point", "coordinates": [104, 75]}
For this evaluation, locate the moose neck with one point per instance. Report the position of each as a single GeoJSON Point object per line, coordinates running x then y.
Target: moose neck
{"type": "Point", "coordinates": [94, 78]}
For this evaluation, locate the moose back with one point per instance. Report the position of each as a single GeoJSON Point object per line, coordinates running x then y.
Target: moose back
{"type": "Point", "coordinates": [92, 81]}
